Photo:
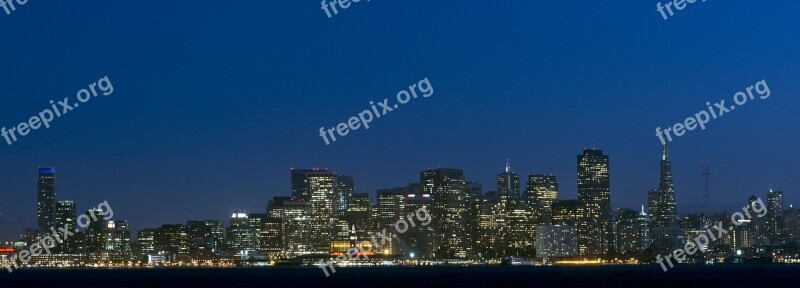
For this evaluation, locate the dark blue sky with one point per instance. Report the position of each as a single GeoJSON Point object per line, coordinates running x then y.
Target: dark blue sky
{"type": "Point", "coordinates": [215, 101]}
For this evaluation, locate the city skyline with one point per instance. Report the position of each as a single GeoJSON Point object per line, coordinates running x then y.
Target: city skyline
{"type": "Point", "coordinates": [323, 217]}
{"type": "Point", "coordinates": [47, 187]}
{"type": "Point", "coordinates": [522, 183]}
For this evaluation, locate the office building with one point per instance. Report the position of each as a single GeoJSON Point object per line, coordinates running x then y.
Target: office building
{"type": "Point", "coordinates": [594, 191]}
{"type": "Point", "coordinates": [46, 199]}
{"type": "Point", "coordinates": [556, 241]}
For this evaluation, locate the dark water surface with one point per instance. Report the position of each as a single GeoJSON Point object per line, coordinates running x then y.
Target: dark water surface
{"type": "Point", "coordinates": [475, 276]}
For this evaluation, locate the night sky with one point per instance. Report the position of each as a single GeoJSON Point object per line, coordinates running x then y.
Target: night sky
{"type": "Point", "coordinates": [215, 101]}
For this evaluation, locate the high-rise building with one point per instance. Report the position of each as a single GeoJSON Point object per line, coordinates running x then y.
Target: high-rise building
{"type": "Point", "coordinates": [667, 234]}
{"type": "Point", "coordinates": [571, 213]}
{"type": "Point", "coordinates": [272, 235]}
{"type": "Point", "coordinates": [792, 222]}
{"type": "Point", "coordinates": [358, 214]}
{"type": "Point", "coordinates": [664, 207]}
{"type": "Point", "coordinates": [487, 235]}
{"type": "Point", "coordinates": [205, 239]}
{"type": "Point", "coordinates": [594, 190]}
{"type": "Point", "coordinates": [46, 199]}
{"type": "Point", "coordinates": [556, 241]}
{"type": "Point", "coordinates": [633, 232]}
{"type": "Point", "coordinates": [239, 233]}
{"type": "Point", "coordinates": [146, 243]}
{"type": "Point", "coordinates": [450, 211]}
{"type": "Point", "coordinates": [119, 242]}
{"type": "Point", "coordinates": [542, 191]}
{"type": "Point", "coordinates": [66, 215]}
{"type": "Point", "coordinates": [508, 187]}
{"type": "Point", "coordinates": [276, 210]}
{"type": "Point", "coordinates": [343, 190]}
{"type": "Point", "coordinates": [418, 240]}
{"type": "Point", "coordinates": [693, 225]}
{"type": "Point", "coordinates": [256, 223]}
{"type": "Point", "coordinates": [300, 184]}
{"type": "Point", "coordinates": [171, 241]}
{"type": "Point", "coordinates": [321, 191]}
{"type": "Point", "coordinates": [296, 221]}
{"type": "Point", "coordinates": [774, 220]}
{"type": "Point", "coordinates": [319, 188]}
{"type": "Point", "coordinates": [568, 212]}
{"type": "Point", "coordinates": [391, 204]}
{"type": "Point", "coordinates": [757, 228]}
{"type": "Point", "coordinates": [97, 234]}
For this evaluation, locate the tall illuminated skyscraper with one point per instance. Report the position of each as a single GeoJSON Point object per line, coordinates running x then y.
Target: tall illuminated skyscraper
{"type": "Point", "coordinates": [321, 191]}
{"type": "Point", "coordinates": [450, 211]}
{"type": "Point", "coordinates": [66, 216]}
{"type": "Point", "coordinates": [594, 187]}
{"type": "Point", "coordinates": [508, 188]}
{"type": "Point", "coordinates": [46, 199]}
{"type": "Point", "coordinates": [318, 188]}
{"type": "Point", "coordinates": [594, 190]}
{"type": "Point", "coordinates": [774, 220]}
{"type": "Point", "coordinates": [542, 191]}
{"type": "Point", "coordinates": [665, 212]}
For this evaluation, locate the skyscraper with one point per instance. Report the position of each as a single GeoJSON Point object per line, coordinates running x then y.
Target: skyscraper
{"type": "Point", "coordinates": [774, 220]}
{"type": "Point", "coordinates": [318, 188]}
{"type": "Point", "coordinates": [119, 242]}
{"type": "Point", "coordinates": [508, 187]}
{"type": "Point", "coordinates": [97, 234]}
{"type": "Point", "coordinates": [542, 191]}
{"type": "Point", "coordinates": [633, 230]}
{"type": "Point", "coordinates": [172, 241]}
{"type": "Point", "coordinates": [358, 214]}
{"type": "Point", "coordinates": [594, 190]}
{"type": "Point", "coordinates": [343, 190]}
{"type": "Point", "coordinates": [391, 205]}
{"type": "Point", "coordinates": [321, 191]}
{"type": "Point", "coordinates": [418, 239]}
{"type": "Point", "coordinates": [450, 211]}
{"type": "Point", "coordinates": [665, 230]}
{"type": "Point", "coordinates": [665, 212]}
{"type": "Point", "coordinates": [146, 243]}
{"type": "Point", "coordinates": [66, 216]}
{"type": "Point", "coordinates": [203, 240]}
{"type": "Point", "coordinates": [239, 234]}
{"type": "Point", "coordinates": [300, 184]}
{"type": "Point", "coordinates": [46, 199]}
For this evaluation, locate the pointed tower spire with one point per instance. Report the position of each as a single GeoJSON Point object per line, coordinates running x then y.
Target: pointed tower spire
{"type": "Point", "coordinates": [508, 165]}
{"type": "Point", "coordinates": [665, 152]}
